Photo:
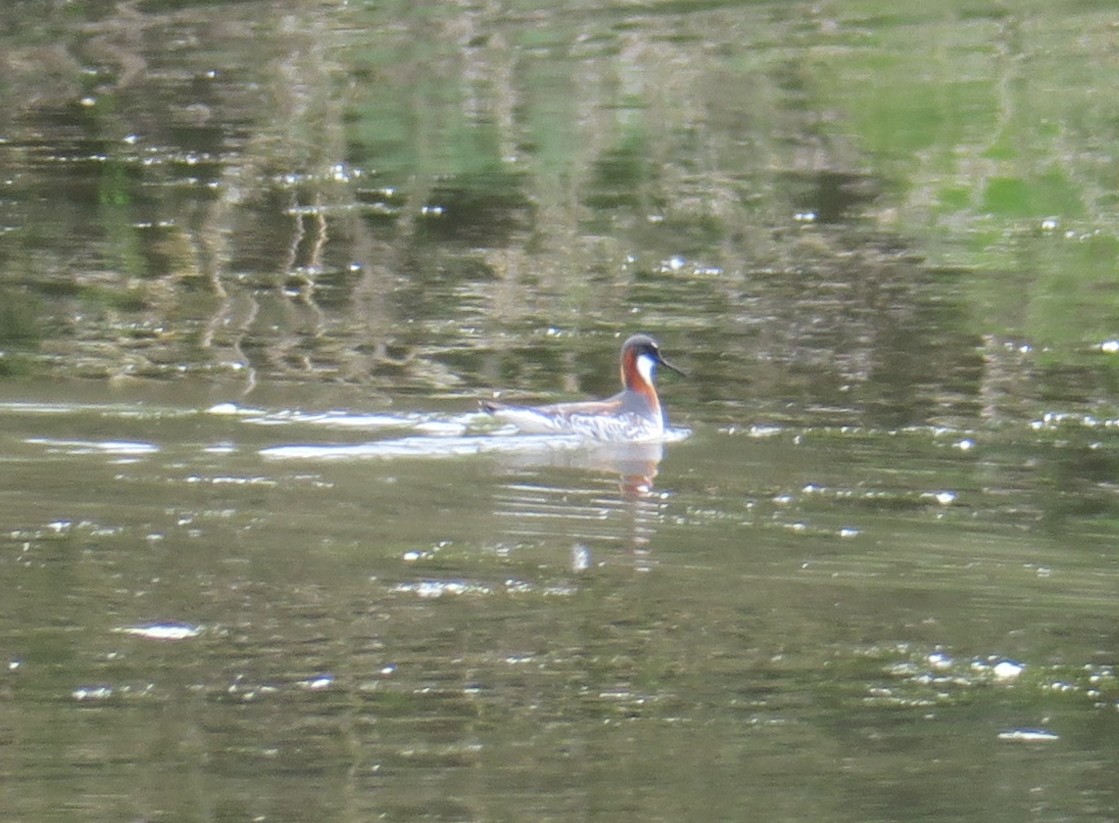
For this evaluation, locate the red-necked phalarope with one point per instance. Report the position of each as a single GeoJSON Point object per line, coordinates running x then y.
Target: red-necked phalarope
{"type": "Point", "coordinates": [632, 415]}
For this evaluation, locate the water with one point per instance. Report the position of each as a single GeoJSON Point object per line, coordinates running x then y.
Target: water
{"type": "Point", "coordinates": [361, 618]}
{"type": "Point", "coordinates": [262, 558]}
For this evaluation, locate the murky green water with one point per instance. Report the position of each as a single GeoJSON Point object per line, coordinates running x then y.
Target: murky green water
{"type": "Point", "coordinates": [235, 613]}
{"type": "Point", "coordinates": [261, 559]}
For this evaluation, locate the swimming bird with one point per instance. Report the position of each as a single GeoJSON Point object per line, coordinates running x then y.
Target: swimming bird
{"type": "Point", "coordinates": [632, 415]}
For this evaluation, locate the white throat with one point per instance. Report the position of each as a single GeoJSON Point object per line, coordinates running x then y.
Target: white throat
{"type": "Point", "coordinates": [647, 368]}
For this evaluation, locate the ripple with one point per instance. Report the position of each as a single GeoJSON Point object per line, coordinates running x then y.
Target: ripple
{"type": "Point", "coordinates": [335, 419]}
{"type": "Point", "coordinates": [83, 693]}
{"type": "Point", "coordinates": [123, 448]}
{"type": "Point", "coordinates": [110, 410]}
{"type": "Point", "coordinates": [317, 683]}
{"type": "Point", "coordinates": [1029, 736]}
{"type": "Point", "coordinates": [937, 677]}
{"type": "Point", "coordinates": [162, 631]}
{"type": "Point", "coordinates": [423, 446]}
{"type": "Point", "coordinates": [430, 589]}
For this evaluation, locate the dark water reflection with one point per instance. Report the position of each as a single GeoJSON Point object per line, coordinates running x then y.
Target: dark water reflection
{"type": "Point", "coordinates": [262, 559]}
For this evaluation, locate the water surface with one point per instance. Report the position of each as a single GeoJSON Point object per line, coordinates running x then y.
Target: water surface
{"type": "Point", "coordinates": [262, 558]}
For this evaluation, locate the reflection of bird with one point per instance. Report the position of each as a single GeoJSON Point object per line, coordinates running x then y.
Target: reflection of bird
{"type": "Point", "coordinates": [634, 414]}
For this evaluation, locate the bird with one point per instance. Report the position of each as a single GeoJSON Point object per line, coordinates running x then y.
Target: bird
{"type": "Point", "coordinates": [633, 415]}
